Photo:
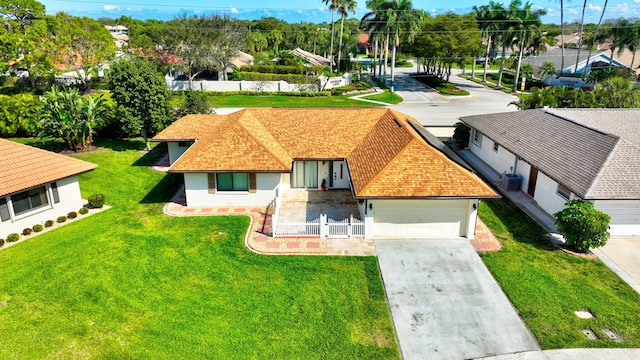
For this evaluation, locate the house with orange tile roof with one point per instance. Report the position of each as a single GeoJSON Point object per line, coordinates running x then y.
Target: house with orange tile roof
{"type": "Point", "coordinates": [36, 185]}
{"type": "Point", "coordinates": [402, 181]}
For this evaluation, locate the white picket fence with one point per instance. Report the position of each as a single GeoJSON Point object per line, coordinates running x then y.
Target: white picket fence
{"type": "Point", "coordinates": [323, 228]}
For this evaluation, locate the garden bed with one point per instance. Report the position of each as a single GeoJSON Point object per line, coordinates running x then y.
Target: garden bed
{"type": "Point", "coordinates": [442, 86]}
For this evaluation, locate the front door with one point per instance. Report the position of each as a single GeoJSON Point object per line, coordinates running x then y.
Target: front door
{"type": "Point", "coordinates": [533, 178]}
{"type": "Point", "coordinates": [340, 176]}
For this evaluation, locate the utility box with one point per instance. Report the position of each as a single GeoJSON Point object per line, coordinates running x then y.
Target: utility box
{"type": "Point", "coordinates": [511, 182]}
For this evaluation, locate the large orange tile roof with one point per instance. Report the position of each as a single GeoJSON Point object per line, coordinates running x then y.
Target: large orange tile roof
{"type": "Point", "coordinates": [23, 167]}
{"type": "Point", "coordinates": [385, 154]}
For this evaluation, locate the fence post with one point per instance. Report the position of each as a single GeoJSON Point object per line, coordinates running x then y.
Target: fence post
{"type": "Point", "coordinates": [349, 227]}
{"type": "Point", "coordinates": [323, 223]}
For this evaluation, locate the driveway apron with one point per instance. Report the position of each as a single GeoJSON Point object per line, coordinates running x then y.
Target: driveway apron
{"type": "Point", "coordinates": [444, 302]}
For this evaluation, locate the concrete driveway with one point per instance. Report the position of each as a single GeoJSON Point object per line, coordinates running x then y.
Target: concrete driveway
{"type": "Point", "coordinates": [444, 302]}
{"type": "Point", "coordinates": [434, 110]}
{"type": "Point", "coordinates": [622, 255]}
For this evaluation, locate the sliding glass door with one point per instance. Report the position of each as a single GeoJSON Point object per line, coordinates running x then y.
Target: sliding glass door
{"type": "Point", "coordinates": [305, 175]}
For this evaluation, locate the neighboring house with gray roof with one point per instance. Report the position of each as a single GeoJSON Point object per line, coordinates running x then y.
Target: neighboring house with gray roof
{"type": "Point", "coordinates": [561, 154]}
{"type": "Point", "coordinates": [597, 60]}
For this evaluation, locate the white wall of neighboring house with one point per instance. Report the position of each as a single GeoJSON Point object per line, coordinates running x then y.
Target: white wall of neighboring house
{"type": "Point", "coordinates": [175, 151]}
{"type": "Point", "coordinates": [197, 191]}
{"type": "Point", "coordinates": [625, 216]}
{"type": "Point", "coordinates": [266, 86]}
{"type": "Point", "coordinates": [501, 161]}
{"type": "Point", "coordinates": [546, 194]}
{"type": "Point", "coordinates": [70, 200]}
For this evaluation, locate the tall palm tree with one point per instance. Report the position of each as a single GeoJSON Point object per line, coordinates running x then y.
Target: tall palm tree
{"type": "Point", "coordinates": [489, 20]}
{"type": "Point", "coordinates": [527, 28]}
{"type": "Point", "coordinates": [580, 32]}
{"type": "Point", "coordinates": [403, 19]}
{"type": "Point", "coordinates": [333, 4]}
{"type": "Point", "coordinates": [561, 35]}
{"type": "Point", "coordinates": [344, 7]}
{"type": "Point", "coordinates": [595, 37]}
{"type": "Point", "coordinates": [507, 33]}
{"type": "Point", "coordinates": [376, 24]}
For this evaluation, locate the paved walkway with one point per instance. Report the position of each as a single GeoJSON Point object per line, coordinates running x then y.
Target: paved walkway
{"type": "Point", "coordinates": [444, 302]}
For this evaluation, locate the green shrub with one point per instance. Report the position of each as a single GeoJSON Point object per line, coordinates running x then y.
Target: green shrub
{"type": "Point", "coordinates": [1, 242]}
{"type": "Point", "coordinates": [37, 228]}
{"type": "Point", "coordinates": [61, 219]}
{"type": "Point", "coordinates": [13, 237]}
{"type": "Point", "coordinates": [461, 135]}
{"type": "Point", "coordinates": [83, 210]}
{"type": "Point", "coordinates": [96, 200]}
{"type": "Point", "coordinates": [290, 78]}
{"type": "Point", "coordinates": [48, 223]}
{"type": "Point", "coordinates": [26, 231]}
{"type": "Point", "coordinates": [72, 215]}
{"type": "Point", "coordinates": [583, 225]}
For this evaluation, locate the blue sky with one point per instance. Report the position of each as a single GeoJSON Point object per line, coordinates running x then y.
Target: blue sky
{"type": "Point", "coordinates": [312, 10]}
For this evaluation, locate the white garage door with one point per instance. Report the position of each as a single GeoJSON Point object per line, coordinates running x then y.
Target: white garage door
{"type": "Point", "coordinates": [625, 216]}
{"type": "Point", "coordinates": [420, 218]}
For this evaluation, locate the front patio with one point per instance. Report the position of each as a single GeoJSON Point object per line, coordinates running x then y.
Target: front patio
{"type": "Point", "coordinates": [322, 214]}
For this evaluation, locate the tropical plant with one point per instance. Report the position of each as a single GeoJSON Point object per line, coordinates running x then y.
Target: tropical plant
{"type": "Point", "coordinates": [595, 37]}
{"type": "Point", "coordinates": [71, 117]}
{"type": "Point", "coordinates": [526, 29]}
{"type": "Point", "coordinates": [583, 225]}
{"type": "Point", "coordinates": [344, 7]}
{"type": "Point", "coordinates": [547, 69]}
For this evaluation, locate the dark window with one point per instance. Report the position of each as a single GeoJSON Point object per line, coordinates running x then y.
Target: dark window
{"type": "Point", "coordinates": [564, 192]}
{"type": "Point", "coordinates": [54, 191]}
{"type": "Point", "coordinates": [495, 146]}
{"type": "Point", "coordinates": [28, 200]}
{"type": "Point", "coordinates": [4, 210]}
{"type": "Point", "coordinates": [232, 181]}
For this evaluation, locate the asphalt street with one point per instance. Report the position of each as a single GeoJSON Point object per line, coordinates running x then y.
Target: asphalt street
{"type": "Point", "coordinates": [434, 110]}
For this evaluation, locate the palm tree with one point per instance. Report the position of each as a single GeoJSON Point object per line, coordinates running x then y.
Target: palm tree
{"type": "Point", "coordinates": [333, 4]}
{"type": "Point", "coordinates": [562, 35]}
{"type": "Point", "coordinates": [376, 24]}
{"type": "Point", "coordinates": [402, 19]}
{"type": "Point", "coordinates": [580, 32]}
{"type": "Point", "coordinates": [595, 37]}
{"type": "Point", "coordinates": [344, 7]}
{"type": "Point", "coordinates": [507, 34]}
{"type": "Point", "coordinates": [489, 20]}
{"type": "Point", "coordinates": [527, 28]}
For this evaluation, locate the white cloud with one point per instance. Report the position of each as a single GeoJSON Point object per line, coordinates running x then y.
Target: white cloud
{"type": "Point", "coordinates": [234, 10]}
{"type": "Point", "coordinates": [108, 7]}
{"type": "Point", "coordinates": [299, 11]}
{"type": "Point", "coordinates": [134, 9]}
{"type": "Point", "coordinates": [595, 7]}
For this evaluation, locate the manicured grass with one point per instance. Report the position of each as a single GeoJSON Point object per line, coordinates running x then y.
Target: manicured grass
{"type": "Point", "coordinates": [286, 101]}
{"type": "Point", "coordinates": [130, 282]}
{"type": "Point", "coordinates": [386, 96]}
{"type": "Point", "coordinates": [547, 285]}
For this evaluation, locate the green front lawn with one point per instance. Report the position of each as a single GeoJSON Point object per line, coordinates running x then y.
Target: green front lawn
{"type": "Point", "coordinates": [283, 101]}
{"type": "Point", "coordinates": [547, 285]}
{"type": "Point", "coordinates": [386, 96]}
{"type": "Point", "coordinates": [131, 282]}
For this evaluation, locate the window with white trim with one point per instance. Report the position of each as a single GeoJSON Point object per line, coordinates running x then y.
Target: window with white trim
{"type": "Point", "coordinates": [564, 192]}
{"type": "Point", "coordinates": [477, 137]}
{"type": "Point", "coordinates": [29, 200]}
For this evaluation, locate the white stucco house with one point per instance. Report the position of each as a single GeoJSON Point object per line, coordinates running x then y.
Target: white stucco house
{"type": "Point", "coordinates": [561, 154]}
{"type": "Point", "coordinates": [36, 186]}
{"type": "Point", "coordinates": [402, 180]}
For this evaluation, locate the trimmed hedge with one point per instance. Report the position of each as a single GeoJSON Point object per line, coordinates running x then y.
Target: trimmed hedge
{"type": "Point", "coordinates": [1, 242]}
{"type": "Point", "coordinates": [83, 210]}
{"type": "Point", "coordinates": [261, 93]}
{"type": "Point", "coordinates": [61, 219]}
{"type": "Point", "coordinates": [37, 228]}
{"type": "Point", "coordinates": [48, 223]}
{"type": "Point", "coordinates": [13, 237]}
{"type": "Point", "coordinates": [26, 231]}
{"type": "Point", "coordinates": [72, 215]}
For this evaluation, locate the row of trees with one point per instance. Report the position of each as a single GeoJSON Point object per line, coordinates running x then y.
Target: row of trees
{"type": "Point", "coordinates": [137, 105]}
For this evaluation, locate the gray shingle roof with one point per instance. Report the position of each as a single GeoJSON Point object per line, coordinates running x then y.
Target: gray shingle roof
{"type": "Point", "coordinates": [594, 152]}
